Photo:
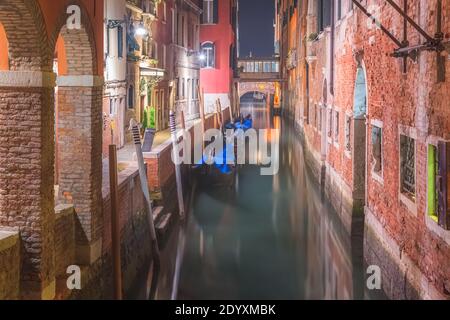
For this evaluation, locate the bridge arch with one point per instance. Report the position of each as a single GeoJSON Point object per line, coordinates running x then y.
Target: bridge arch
{"type": "Point", "coordinates": [263, 87]}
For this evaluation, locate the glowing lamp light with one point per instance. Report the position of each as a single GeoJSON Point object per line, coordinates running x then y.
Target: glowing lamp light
{"type": "Point", "coordinates": [140, 30]}
{"type": "Point", "coordinates": [202, 57]}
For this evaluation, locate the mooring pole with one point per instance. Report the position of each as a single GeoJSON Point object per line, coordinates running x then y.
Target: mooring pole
{"type": "Point", "coordinates": [144, 186]}
{"type": "Point", "coordinates": [115, 222]}
{"type": "Point", "coordinates": [176, 155]}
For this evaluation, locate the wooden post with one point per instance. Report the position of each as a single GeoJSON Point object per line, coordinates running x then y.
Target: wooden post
{"type": "Point", "coordinates": [115, 222]}
{"type": "Point", "coordinates": [202, 107]}
{"type": "Point", "coordinates": [219, 111]}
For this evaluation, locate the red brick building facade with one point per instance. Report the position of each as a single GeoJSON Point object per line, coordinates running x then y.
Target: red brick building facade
{"type": "Point", "coordinates": [372, 129]}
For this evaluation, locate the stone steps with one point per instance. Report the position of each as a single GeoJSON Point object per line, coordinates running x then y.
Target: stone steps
{"type": "Point", "coordinates": [162, 222]}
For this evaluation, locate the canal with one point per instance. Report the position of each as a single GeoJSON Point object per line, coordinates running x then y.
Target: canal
{"type": "Point", "coordinates": [270, 237]}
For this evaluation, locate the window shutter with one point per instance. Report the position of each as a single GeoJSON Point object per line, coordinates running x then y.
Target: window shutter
{"type": "Point", "coordinates": [107, 41]}
{"type": "Point", "coordinates": [443, 183]}
{"type": "Point", "coordinates": [216, 11]}
{"type": "Point", "coordinates": [202, 18]}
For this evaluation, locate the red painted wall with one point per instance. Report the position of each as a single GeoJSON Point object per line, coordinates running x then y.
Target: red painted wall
{"type": "Point", "coordinates": [219, 79]}
{"type": "Point", "coordinates": [4, 64]}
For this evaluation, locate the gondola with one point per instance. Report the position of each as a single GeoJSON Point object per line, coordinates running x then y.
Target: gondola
{"type": "Point", "coordinates": [223, 170]}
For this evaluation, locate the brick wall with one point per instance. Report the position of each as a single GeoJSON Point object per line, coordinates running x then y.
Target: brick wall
{"type": "Point", "coordinates": [64, 239]}
{"type": "Point", "coordinates": [413, 100]}
{"type": "Point", "coordinates": [80, 155]}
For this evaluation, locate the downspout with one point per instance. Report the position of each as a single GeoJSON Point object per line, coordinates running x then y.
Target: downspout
{"type": "Point", "coordinates": [333, 13]}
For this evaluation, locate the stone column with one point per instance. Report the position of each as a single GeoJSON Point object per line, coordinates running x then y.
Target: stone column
{"type": "Point", "coordinates": [26, 174]}
{"type": "Point", "coordinates": [80, 148]}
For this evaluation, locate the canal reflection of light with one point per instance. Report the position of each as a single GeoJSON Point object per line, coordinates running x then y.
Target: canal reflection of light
{"type": "Point", "coordinates": [271, 237]}
{"type": "Point", "coordinates": [202, 246]}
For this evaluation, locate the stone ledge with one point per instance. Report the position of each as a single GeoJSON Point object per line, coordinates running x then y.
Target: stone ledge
{"type": "Point", "coordinates": [79, 81]}
{"type": "Point", "coordinates": [63, 210]}
{"type": "Point", "coordinates": [8, 239]}
{"type": "Point", "coordinates": [27, 79]}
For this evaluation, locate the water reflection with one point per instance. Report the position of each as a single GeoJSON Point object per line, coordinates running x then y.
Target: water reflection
{"type": "Point", "coordinates": [271, 237]}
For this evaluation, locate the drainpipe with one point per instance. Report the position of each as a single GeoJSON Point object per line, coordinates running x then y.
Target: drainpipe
{"type": "Point", "coordinates": [333, 25]}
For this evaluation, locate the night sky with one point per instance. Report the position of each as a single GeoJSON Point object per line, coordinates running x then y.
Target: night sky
{"type": "Point", "coordinates": [256, 27]}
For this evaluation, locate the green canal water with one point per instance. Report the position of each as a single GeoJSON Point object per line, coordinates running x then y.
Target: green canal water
{"type": "Point", "coordinates": [269, 237]}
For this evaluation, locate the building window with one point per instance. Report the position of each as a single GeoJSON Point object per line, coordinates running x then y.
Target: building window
{"type": "Point", "coordinates": [120, 41]}
{"type": "Point", "coordinates": [174, 25]}
{"type": "Point", "coordinates": [183, 89]}
{"type": "Point", "coordinates": [208, 54]}
{"type": "Point", "coordinates": [164, 12]}
{"type": "Point", "coordinates": [164, 56]}
{"type": "Point", "coordinates": [348, 130]}
{"type": "Point", "coordinates": [323, 14]}
{"type": "Point", "coordinates": [307, 111]}
{"type": "Point", "coordinates": [408, 167]}
{"type": "Point", "coordinates": [131, 97]}
{"type": "Point", "coordinates": [432, 198]}
{"type": "Point", "coordinates": [154, 53]}
{"type": "Point", "coordinates": [438, 182]}
{"type": "Point", "coordinates": [183, 32]}
{"type": "Point", "coordinates": [377, 150]}
{"type": "Point", "coordinates": [144, 47]}
{"type": "Point", "coordinates": [338, 10]}
{"type": "Point", "coordinates": [336, 126]}
{"type": "Point", "coordinates": [111, 107]}
{"type": "Point", "coordinates": [319, 117]}
{"type": "Point", "coordinates": [330, 123]}
{"type": "Point", "coordinates": [210, 11]}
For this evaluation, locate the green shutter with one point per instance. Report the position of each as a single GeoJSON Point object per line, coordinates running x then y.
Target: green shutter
{"type": "Point", "coordinates": [432, 170]}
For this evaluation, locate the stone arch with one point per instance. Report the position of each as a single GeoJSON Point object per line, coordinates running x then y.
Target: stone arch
{"type": "Point", "coordinates": [78, 128]}
{"type": "Point", "coordinates": [248, 93]}
{"type": "Point", "coordinates": [79, 43]}
{"type": "Point", "coordinates": [246, 87]}
{"type": "Point", "coordinates": [27, 36]}
{"type": "Point", "coordinates": [27, 202]}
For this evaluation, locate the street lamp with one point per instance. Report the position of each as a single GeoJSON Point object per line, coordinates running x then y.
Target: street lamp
{"type": "Point", "coordinates": [140, 30]}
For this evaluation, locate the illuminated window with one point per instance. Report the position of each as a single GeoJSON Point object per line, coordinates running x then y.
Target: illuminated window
{"type": "Point", "coordinates": [208, 55]}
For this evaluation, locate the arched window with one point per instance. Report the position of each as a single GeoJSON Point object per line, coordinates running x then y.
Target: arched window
{"type": "Point", "coordinates": [131, 97]}
{"type": "Point", "coordinates": [208, 56]}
